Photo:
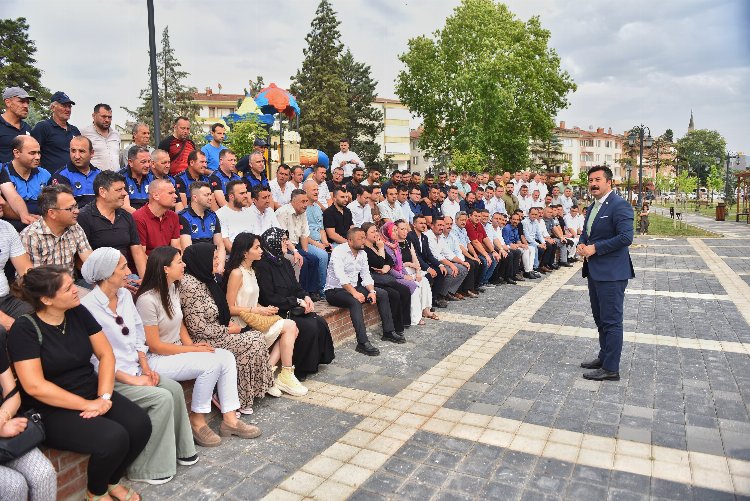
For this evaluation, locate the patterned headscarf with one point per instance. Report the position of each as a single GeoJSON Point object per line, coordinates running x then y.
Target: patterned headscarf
{"type": "Point", "coordinates": [391, 245]}
{"type": "Point", "coordinates": [271, 241]}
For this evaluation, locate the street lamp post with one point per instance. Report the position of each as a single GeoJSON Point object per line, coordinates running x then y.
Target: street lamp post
{"type": "Point", "coordinates": [730, 156]}
{"type": "Point", "coordinates": [630, 197]}
{"type": "Point", "coordinates": [639, 133]}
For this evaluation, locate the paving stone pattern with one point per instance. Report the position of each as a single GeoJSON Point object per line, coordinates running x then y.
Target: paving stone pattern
{"type": "Point", "coordinates": [489, 402]}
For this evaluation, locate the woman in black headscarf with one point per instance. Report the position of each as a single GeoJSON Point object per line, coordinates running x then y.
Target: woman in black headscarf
{"type": "Point", "coordinates": [279, 287]}
{"type": "Point", "coordinates": [207, 318]}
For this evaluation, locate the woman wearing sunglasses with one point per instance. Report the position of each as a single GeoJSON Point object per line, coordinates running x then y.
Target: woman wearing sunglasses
{"type": "Point", "coordinates": [111, 304]}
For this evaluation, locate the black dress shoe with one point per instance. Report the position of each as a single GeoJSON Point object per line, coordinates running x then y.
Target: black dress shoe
{"type": "Point", "coordinates": [529, 275]}
{"type": "Point", "coordinates": [537, 274]}
{"type": "Point", "coordinates": [567, 265]}
{"type": "Point", "coordinates": [592, 364]}
{"type": "Point", "coordinates": [451, 297]}
{"type": "Point", "coordinates": [400, 335]}
{"type": "Point", "coordinates": [314, 297]}
{"type": "Point", "coordinates": [440, 303]}
{"type": "Point", "coordinates": [368, 349]}
{"type": "Point", "coordinates": [519, 278]}
{"type": "Point", "coordinates": [480, 289]}
{"type": "Point", "coordinates": [555, 266]}
{"type": "Point", "coordinates": [602, 375]}
{"type": "Point", "coordinates": [393, 338]}
{"type": "Point", "coordinates": [510, 281]}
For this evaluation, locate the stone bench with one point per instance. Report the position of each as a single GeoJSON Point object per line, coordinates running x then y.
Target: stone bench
{"type": "Point", "coordinates": [71, 466]}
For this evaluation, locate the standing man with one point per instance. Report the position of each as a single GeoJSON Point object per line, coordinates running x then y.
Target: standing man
{"type": "Point", "coordinates": [226, 172]}
{"type": "Point", "coordinates": [11, 122]}
{"type": "Point", "coordinates": [178, 145]}
{"type": "Point", "coordinates": [608, 232]}
{"type": "Point", "coordinates": [105, 138]}
{"type": "Point", "coordinates": [346, 159]}
{"type": "Point", "coordinates": [141, 137]}
{"type": "Point", "coordinates": [54, 134]}
{"type": "Point", "coordinates": [215, 146]}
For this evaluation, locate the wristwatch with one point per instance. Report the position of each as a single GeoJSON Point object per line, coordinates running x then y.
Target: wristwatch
{"type": "Point", "coordinates": [106, 396]}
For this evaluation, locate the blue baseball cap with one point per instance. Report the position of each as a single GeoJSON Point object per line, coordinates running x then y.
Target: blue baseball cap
{"type": "Point", "coordinates": [61, 97]}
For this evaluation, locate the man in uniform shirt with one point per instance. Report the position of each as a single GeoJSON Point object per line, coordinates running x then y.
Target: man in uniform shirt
{"type": "Point", "coordinates": [213, 148]}
{"type": "Point", "coordinates": [281, 189]}
{"type": "Point", "coordinates": [22, 181]}
{"type": "Point", "coordinates": [179, 146]}
{"type": "Point", "coordinates": [160, 166]}
{"type": "Point", "coordinates": [346, 159]}
{"type": "Point", "coordinates": [138, 177]}
{"type": "Point", "coordinates": [226, 172]}
{"type": "Point", "coordinates": [196, 171]}
{"type": "Point", "coordinates": [293, 218]}
{"type": "Point", "coordinates": [256, 174]}
{"type": "Point", "coordinates": [79, 174]}
{"type": "Point", "coordinates": [55, 133]}
{"type": "Point", "coordinates": [12, 122]}
{"type": "Point", "coordinates": [105, 138]}
{"type": "Point", "coordinates": [360, 206]}
{"type": "Point", "coordinates": [198, 223]}
{"type": "Point", "coordinates": [157, 222]}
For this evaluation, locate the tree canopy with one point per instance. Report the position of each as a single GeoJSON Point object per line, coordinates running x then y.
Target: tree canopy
{"type": "Point", "coordinates": [486, 79]}
{"type": "Point", "coordinates": [701, 149]}
{"type": "Point", "coordinates": [365, 122]}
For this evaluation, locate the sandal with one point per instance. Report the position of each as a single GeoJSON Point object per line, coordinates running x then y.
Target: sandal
{"type": "Point", "coordinates": [94, 497]}
{"type": "Point", "coordinates": [431, 316]}
{"type": "Point", "coordinates": [421, 322]}
{"type": "Point", "coordinates": [128, 496]}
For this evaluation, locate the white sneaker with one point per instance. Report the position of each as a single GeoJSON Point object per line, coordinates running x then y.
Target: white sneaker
{"type": "Point", "coordinates": [288, 382]}
{"type": "Point", "coordinates": [153, 481]}
{"type": "Point", "coordinates": [274, 391]}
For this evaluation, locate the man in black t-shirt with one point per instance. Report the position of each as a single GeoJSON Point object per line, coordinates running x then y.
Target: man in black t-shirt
{"type": "Point", "coordinates": [337, 219]}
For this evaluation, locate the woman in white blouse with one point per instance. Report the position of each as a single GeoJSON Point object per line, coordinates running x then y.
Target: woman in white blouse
{"type": "Point", "coordinates": [173, 354]}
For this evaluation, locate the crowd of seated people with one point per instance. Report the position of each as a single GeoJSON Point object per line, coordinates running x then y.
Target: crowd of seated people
{"type": "Point", "coordinates": [182, 266]}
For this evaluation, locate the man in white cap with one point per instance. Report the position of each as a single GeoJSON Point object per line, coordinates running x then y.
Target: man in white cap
{"type": "Point", "coordinates": [11, 122]}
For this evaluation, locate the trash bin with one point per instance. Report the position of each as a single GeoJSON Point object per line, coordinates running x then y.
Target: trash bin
{"type": "Point", "coordinates": [721, 211]}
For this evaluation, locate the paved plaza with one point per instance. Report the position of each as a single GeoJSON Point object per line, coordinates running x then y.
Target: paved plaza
{"type": "Point", "coordinates": [489, 403]}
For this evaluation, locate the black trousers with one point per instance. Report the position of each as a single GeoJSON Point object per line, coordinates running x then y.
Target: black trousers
{"type": "Point", "coordinates": [471, 282]}
{"type": "Point", "coordinates": [437, 284]}
{"type": "Point", "coordinates": [341, 298]}
{"type": "Point", "coordinates": [114, 440]}
{"type": "Point", "coordinates": [548, 255]}
{"type": "Point", "coordinates": [403, 307]}
{"type": "Point", "coordinates": [516, 261]}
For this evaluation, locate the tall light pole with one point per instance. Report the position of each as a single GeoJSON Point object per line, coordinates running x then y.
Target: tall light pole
{"type": "Point", "coordinates": [639, 133]}
{"type": "Point", "coordinates": [630, 197]}
{"type": "Point", "coordinates": [152, 63]}
{"type": "Point", "coordinates": [730, 156]}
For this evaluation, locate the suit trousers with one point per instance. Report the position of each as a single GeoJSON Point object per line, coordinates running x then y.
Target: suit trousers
{"type": "Point", "coordinates": [339, 297]}
{"type": "Point", "coordinates": [473, 277]}
{"type": "Point", "coordinates": [607, 305]}
{"type": "Point", "coordinates": [451, 283]}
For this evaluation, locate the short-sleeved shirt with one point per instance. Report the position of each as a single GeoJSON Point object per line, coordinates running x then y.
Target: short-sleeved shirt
{"type": "Point", "coordinates": [436, 211]}
{"type": "Point", "coordinates": [137, 191]}
{"type": "Point", "coordinates": [184, 180]}
{"type": "Point", "coordinates": [251, 181]}
{"type": "Point", "coordinates": [153, 313]}
{"type": "Point", "coordinates": [10, 246]}
{"type": "Point", "coordinates": [44, 247]}
{"type": "Point", "coordinates": [200, 229]}
{"type": "Point", "coordinates": [339, 221]}
{"type": "Point", "coordinates": [28, 189]}
{"type": "Point", "coordinates": [475, 231]}
{"type": "Point", "coordinates": [153, 231]}
{"type": "Point", "coordinates": [54, 141]}
{"type": "Point", "coordinates": [65, 358]}
{"type": "Point", "coordinates": [106, 149]}
{"type": "Point", "coordinates": [178, 153]}
{"type": "Point", "coordinates": [81, 184]}
{"type": "Point", "coordinates": [101, 232]}
{"type": "Point", "coordinates": [8, 133]}
{"type": "Point", "coordinates": [315, 221]}
{"type": "Point", "coordinates": [212, 155]}
{"type": "Point", "coordinates": [295, 224]}
{"type": "Point", "coordinates": [219, 181]}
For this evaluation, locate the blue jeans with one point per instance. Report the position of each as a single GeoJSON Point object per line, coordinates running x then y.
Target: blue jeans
{"type": "Point", "coordinates": [490, 266]}
{"type": "Point", "coordinates": [322, 256]}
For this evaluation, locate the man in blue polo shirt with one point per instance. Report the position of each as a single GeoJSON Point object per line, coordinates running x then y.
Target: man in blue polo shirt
{"type": "Point", "coordinates": [79, 174]}
{"type": "Point", "coordinates": [21, 182]}
{"type": "Point", "coordinates": [196, 171]}
{"type": "Point", "coordinates": [213, 148]}
{"type": "Point", "coordinates": [137, 176]}
{"type": "Point", "coordinates": [54, 134]}
{"type": "Point", "coordinates": [198, 223]}
{"type": "Point", "coordinates": [11, 122]}
{"type": "Point", "coordinates": [226, 172]}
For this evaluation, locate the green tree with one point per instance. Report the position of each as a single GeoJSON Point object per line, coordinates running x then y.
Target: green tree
{"type": "Point", "coordinates": [254, 87]}
{"type": "Point", "coordinates": [242, 134]}
{"type": "Point", "coordinates": [486, 79]}
{"type": "Point", "coordinates": [18, 66]}
{"type": "Point", "coordinates": [668, 136]}
{"type": "Point", "coordinates": [471, 160]}
{"type": "Point", "coordinates": [365, 121]}
{"type": "Point", "coordinates": [175, 98]}
{"type": "Point", "coordinates": [663, 183]}
{"type": "Point", "coordinates": [701, 148]}
{"type": "Point", "coordinates": [715, 180]}
{"type": "Point", "coordinates": [686, 183]}
{"type": "Point", "coordinates": [548, 152]}
{"type": "Point", "coordinates": [319, 86]}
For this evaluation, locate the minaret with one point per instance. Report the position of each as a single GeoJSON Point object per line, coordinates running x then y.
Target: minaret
{"type": "Point", "coordinates": [691, 125]}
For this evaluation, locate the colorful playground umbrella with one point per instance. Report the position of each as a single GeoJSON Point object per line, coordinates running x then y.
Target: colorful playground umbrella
{"type": "Point", "coordinates": [274, 99]}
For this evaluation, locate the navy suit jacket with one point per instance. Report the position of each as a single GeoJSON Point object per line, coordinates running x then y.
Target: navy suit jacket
{"type": "Point", "coordinates": [422, 250]}
{"type": "Point", "coordinates": [612, 233]}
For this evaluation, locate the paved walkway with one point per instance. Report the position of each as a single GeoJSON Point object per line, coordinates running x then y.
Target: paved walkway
{"type": "Point", "coordinates": [489, 403]}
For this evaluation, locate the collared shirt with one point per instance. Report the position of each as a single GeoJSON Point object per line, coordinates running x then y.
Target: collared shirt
{"type": "Point", "coordinates": [324, 194]}
{"type": "Point", "coordinates": [532, 232]}
{"type": "Point", "coordinates": [81, 184]}
{"type": "Point", "coordinates": [454, 245]}
{"type": "Point", "coordinates": [463, 188]}
{"type": "Point", "coordinates": [434, 211]}
{"type": "Point", "coordinates": [511, 202]}
{"type": "Point", "coordinates": [262, 221]}
{"type": "Point", "coordinates": [542, 227]}
{"type": "Point", "coordinates": [510, 234]}
{"type": "Point", "coordinates": [54, 142]}
{"type": "Point", "coordinates": [8, 133]}
{"type": "Point", "coordinates": [461, 236]}
{"type": "Point", "coordinates": [101, 232]}
{"type": "Point", "coordinates": [574, 223]}
{"type": "Point", "coordinates": [475, 231]}
{"type": "Point", "coordinates": [525, 203]}
{"type": "Point", "coordinates": [200, 229]}
{"type": "Point", "coordinates": [315, 221]}
{"type": "Point", "coordinates": [533, 185]}
{"type": "Point", "coordinates": [10, 246]}
{"type": "Point", "coordinates": [407, 214]}
{"type": "Point", "coordinates": [212, 155]}
{"type": "Point", "coordinates": [106, 149]}
{"type": "Point", "coordinates": [450, 208]}
{"type": "Point", "coordinates": [178, 150]}
{"type": "Point", "coordinates": [234, 222]}
{"type": "Point", "coordinates": [388, 211]}
{"type": "Point", "coordinates": [352, 160]}
{"type": "Point", "coordinates": [28, 189]}
{"type": "Point", "coordinates": [346, 268]}
{"type": "Point", "coordinates": [361, 214]}
{"type": "Point", "coordinates": [279, 195]}
{"type": "Point", "coordinates": [155, 231]}
{"type": "Point", "coordinates": [218, 180]}
{"type": "Point", "coordinates": [125, 348]}
{"type": "Point", "coordinates": [439, 246]}
{"type": "Point", "coordinates": [43, 247]}
{"type": "Point", "coordinates": [184, 180]}
{"type": "Point", "coordinates": [567, 203]}
{"type": "Point", "coordinates": [295, 224]}
{"type": "Point", "coordinates": [494, 205]}
{"type": "Point", "coordinates": [137, 192]}
{"type": "Point", "coordinates": [415, 208]}
{"type": "Point", "coordinates": [339, 221]}
{"type": "Point", "coordinates": [251, 181]}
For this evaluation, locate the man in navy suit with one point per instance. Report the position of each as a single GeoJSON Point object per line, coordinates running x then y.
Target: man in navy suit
{"type": "Point", "coordinates": [607, 234]}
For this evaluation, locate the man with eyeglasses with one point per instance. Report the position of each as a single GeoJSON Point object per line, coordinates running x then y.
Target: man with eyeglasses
{"type": "Point", "coordinates": [56, 238]}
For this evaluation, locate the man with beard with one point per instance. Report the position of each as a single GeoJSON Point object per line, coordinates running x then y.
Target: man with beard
{"type": "Point", "coordinates": [337, 219]}
{"type": "Point", "coordinates": [179, 146]}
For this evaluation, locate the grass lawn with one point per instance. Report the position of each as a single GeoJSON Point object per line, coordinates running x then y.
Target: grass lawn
{"type": "Point", "coordinates": [663, 226]}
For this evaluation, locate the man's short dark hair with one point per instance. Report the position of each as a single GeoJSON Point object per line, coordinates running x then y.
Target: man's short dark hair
{"type": "Point", "coordinates": [317, 167]}
{"type": "Point", "coordinates": [403, 187]}
{"type": "Point", "coordinates": [197, 185]}
{"type": "Point", "coordinates": [181, 117]}
{"type": "Point", "coordinates": [225, 152]}
{"type": "Point", "coordinates": [298, 167]}
{"type": "Point", "coordinates": [284, 166]}
{"type": "Point", "coordinates": [83, 138]}
{"type": "Point", "coordinates": [338, 189]}
{"type": "Point", "coordinates": [106, 178]}
{"type": "Point", "coordinates": [257, 190]}
{"type": "Point", "coordinates": [298, 192]}
{"type": "Point", "coordinates": [472, 211]}
{"type": "Point", "coordinates": [344, 140]}
{"type": "Point", "coordinates": [48, 198]}
{"type": "Point", "coordinates": [510, 182]}
{"type": "Point", "coordinates": [100, 106]}
{"type": "Point", "coordinates": [356, 191]}
{"type": "Point", "coordinates": [135, 149]}
{"type": "Point", "coordinates": [232, 184]}
{"type": "Point", "coordinates": [429, 176]}
{"type": "Point", "coordinates": [603, 168]}
{"type": "Point", "coordinates": [574, 206]}
{"type": "Point", "coordinates": [358, 169]}
{"type": "Point", "coordinates": [419, 216]}
{"type": "Point", "coordinates": [353, 231]}
{"type": "Point", "coordinates": [216, 126]}
{"type": "Point", "coordinates": [193, 155]}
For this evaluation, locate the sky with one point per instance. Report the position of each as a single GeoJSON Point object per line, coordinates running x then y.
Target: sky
{"type": "Point", "coordinates": [638, 62]}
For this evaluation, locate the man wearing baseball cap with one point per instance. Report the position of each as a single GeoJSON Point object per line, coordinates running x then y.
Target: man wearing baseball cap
{"type": "Point", "coordinates": [243, 164]}
{"type": "Point", "coordinates": [11, 122]}
{"type": "Point", "coordinates": [55, 133]}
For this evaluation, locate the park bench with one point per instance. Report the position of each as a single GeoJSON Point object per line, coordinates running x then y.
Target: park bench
{"type": "Point", "coordinates": [674, 214]}
{"type": "Point", "coordinates": [71, 466]}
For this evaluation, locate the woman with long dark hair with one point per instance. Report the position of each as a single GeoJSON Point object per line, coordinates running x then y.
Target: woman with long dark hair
{"type": "Point", "coordinates": [280, 288]}
{"type": "Point", "coordinates": [207, 318]}
{"type": "Point", "coordinates": [174, 355]}
{"type": "Point", "coordinates": [242, 297]}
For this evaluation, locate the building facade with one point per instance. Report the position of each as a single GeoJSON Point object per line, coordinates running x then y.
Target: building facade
{"type": "Point", "coordinates": [419, 162]}
{"type": "Point", "coordinates": [214, 106]}
{"type": "Point", "coordinates": [394, 141]}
